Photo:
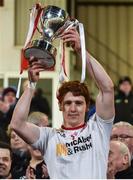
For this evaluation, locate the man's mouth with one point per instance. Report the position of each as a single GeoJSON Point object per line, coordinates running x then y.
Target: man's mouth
{"type": "Point", "coordinates": [73, 115]}
{"type": "Point", "coordinates": [2, 168]}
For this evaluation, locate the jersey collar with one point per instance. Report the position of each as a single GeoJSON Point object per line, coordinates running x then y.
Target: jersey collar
{"type": "Point", "coordinates": [73, 128]}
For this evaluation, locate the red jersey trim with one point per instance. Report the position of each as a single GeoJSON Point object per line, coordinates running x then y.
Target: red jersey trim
{"type": "Point", "coordinates": [73, 128]}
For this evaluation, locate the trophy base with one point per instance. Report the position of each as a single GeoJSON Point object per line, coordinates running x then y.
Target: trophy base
{"type": "Point", "coordinates": [43, 51]}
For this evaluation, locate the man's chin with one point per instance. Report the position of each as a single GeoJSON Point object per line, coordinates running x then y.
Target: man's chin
{"type": "Point", "coordinates": [2, 176]}
{"type": "Point", "coordinates": [74, 122]}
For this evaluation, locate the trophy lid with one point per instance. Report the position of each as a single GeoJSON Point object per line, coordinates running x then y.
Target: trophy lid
{"type": "Point", "coordinates": [54, 11]}
{"type": "Point", "coordinates": [52, 19]}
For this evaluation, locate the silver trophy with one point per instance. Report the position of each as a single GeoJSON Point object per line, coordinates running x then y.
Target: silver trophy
{"type": "Point", "coordinates": [53, 21]}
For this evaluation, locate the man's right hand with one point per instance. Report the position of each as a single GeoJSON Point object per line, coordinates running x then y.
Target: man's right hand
{"type": "Point", "coordinates": [35, 67]}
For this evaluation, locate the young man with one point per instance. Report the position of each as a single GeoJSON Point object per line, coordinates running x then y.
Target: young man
{"type": "Point", "coordinates": [76, 150]}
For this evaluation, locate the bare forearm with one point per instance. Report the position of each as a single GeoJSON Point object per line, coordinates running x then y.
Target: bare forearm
{"type": "Point", "coordinates": [105, 98]}
{"type": "Point", "coordinates": [21, 110]}
{"type": "Point", "coordinates": [98, 73]}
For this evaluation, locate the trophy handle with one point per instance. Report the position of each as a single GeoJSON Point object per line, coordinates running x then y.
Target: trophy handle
{"type": "Point", "coordinates": [83, 51]}
{"type": "Point", "coordinates": [72, 23]}
{"type": "Point", "coordinates": [34, 18]}
{"type": "Point", "coordinates": [68, 24]}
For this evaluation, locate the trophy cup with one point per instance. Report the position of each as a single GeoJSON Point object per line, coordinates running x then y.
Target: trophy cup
{"type": "Point", "coordinates": [53, 21]}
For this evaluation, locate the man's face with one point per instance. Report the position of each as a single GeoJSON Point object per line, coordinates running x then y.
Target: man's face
{"type": "Point", "coordinates": [5, 162]}
{"type": "Point", "coordinates": [44, 121]}
{"type": "Point", "coordinates": [115, 158]}
{"type": "Point", "coordinates": [123, 134]}
{"type": "Point", "coordinates": [125, 87]}
{"type": "Point", "coordinates": [10, 98]}
{"type": "Point", "coordinates": [74, 108]}
{"type": "Point", "coordinates": [35, 153]}
{"type": "Point", "coordinates": [17, 142]}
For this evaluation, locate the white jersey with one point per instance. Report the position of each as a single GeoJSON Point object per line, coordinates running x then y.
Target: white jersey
{"type": "Point", "coordinates": [77, 153]}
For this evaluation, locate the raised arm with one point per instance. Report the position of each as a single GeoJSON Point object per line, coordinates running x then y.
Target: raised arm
{"type": "Point", "coordinates": [29, 132]}
{"type": "Point", "coordinates": [105, 98]}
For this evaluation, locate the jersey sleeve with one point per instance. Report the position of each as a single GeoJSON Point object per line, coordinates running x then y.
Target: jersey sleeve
{"type": "Point", "coordinates": [101, 128]}
{"type": "Point", "coordinates": [42, 143]}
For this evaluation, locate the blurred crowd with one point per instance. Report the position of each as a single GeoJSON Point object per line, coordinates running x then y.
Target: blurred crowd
{"type": "Point", "coordinates": [18, 160]}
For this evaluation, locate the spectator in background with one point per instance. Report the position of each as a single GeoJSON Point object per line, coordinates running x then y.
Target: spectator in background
{"type": "Point", "coordinates": [123, 131]}
{"type": "Point", "coordinates": [39, 102]}
{"type": "Point", "coordinates": [119, 160]}
{"type": "Point", "coordinates": [124, 101]}
{"type": "Point", "coordinates": [17, 142]}
{"type": "Point", "coordinates": [38, 118]}
{"type": "Point", "coordinates": [20, 156]}
{"type": "Point", "coordinates": [5, 161]}
{"type": "Point", "coordinates": [37, 167]}
{"type": "Point", "coordinates": [7, 105]}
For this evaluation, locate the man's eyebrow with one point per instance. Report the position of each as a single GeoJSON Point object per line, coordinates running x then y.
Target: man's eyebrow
{"type": "Point", "coordinates": [68, 101]}
{"type": "Point", "coordinates": [73, 101]}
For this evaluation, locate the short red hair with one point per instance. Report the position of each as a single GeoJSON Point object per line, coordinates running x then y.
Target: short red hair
{"type": "Point", "coordinates": [76, 88]}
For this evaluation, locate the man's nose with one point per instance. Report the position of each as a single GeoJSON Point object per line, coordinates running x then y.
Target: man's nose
{"type": "Point", "coordinates": [1, 161]}
{"type": "Point", "coordinates": [15, 138]}
{"type": "Point", "coordinates": [120, 139]}
{"type": "Point", "coordinates": [73, 107]}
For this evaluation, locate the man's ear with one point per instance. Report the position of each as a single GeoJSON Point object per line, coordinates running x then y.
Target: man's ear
{"type": "Point", "coordinates": [125, 159]}
{"type": "Point", "coordinates": [87, 107]}
{"type": "Point", "coordinates": [60, 106]}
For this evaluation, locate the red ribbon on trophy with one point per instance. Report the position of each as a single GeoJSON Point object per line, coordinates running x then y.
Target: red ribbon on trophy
{"type": "Point", "coordinates": [34, 18]}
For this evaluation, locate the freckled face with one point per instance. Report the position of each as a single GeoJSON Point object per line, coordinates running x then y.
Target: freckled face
{"type": "Point", "coordinates": [74, 109]}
